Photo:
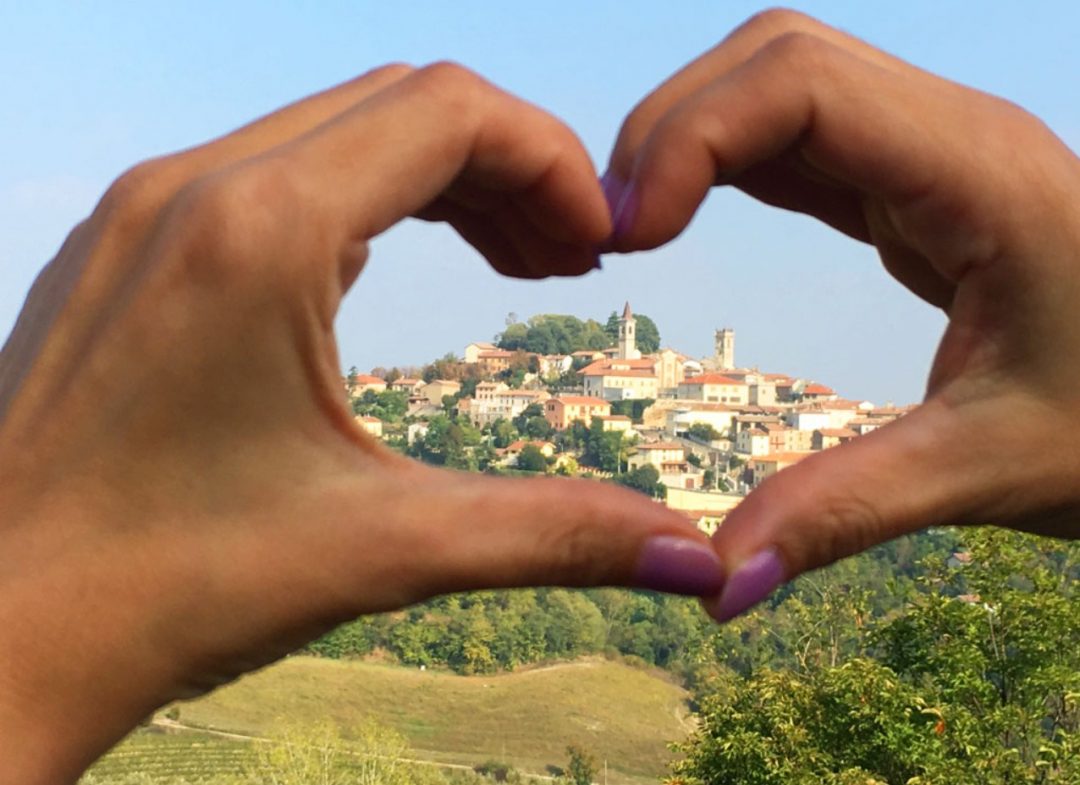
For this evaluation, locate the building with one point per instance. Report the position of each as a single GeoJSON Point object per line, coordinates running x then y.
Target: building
{"type": "Point", "coordinates": [658, 454]}
{"type": "Point", "coordinates": [495, 400]}
{"type": "Point", "coordinates": [670, 369]}
{"type": "Point", "coordinates": [725, 349]}
{"type": "Point", "coordinates": [824, 438]}
{"type": "Point", "coordinates": [627, 343]}
{"type": "Point", "coordinates": [435, 390]}
{"type": "Point", "coordinates": [764, 466]}
{"type": "Point", "coordinates": [714, 388]}
{"type": "Point", "coordinates": [818, 392]}
{"type": "Point", "coordinates": [370, 425]}
{"type": "Point", "coordinates": [410, 387]}
{"type": "Point", "coordinates": [621, 379]}
{"type": "Point", "coordinates": [362, 383]}
{"type": "Point", "coordinates": [752, 441]}
{"type": "Point", "coordinates": [562, 411]}
{"type": "Point", "coordinates": [473, 350]}
{"type": "Point", "coordinates": [616, 422]}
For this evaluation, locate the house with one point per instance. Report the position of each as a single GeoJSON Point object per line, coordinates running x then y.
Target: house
{"type": "Point", "coordinates": [434, 391]}
{"type": "Point", "coordinates": [616, 422]}
{"type": "Point", "coordinates": [752, 441]}
{"type": "Point", "coordinates": [473, 350]}
{"type": "Point", "coordinates": [824, 438]}
{"type": "Point", "coordinates": [410, 387]}
{"type": "Point", "coordinates": [764, 466]}
{"type": "Point", "coordinates": [714, 388]}
{"type": "Point", "coordinates": [562, 411]}
{"type": "Point", "coordinates": [494, 361]}
{"type": "Point", "coordinates": [670, 368]}
{"type": "Point", "coordinates": [718, 415]}
{"type": "Point", "coordinates": [658, 454]}
{"type": "Point", "coordinates": [495, 400]}
{"type": "Point", "coordinates": [817, 392]}
{"type": "Point", "coordinates": [370, 425]}
{"type": "Point", "coordinates": [808, 419]}
{"type": "Point", "coordinates": [547, 449]}
{"type": "Point", "coordinates": [621, 379]}
{"type": "Point", "coordinates": [362, 382]}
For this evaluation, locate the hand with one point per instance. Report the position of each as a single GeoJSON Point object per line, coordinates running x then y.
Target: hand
{"type": "Point", "coordinates": [184, 494]}
{"type": "Point", "coordinates": [972, 204]}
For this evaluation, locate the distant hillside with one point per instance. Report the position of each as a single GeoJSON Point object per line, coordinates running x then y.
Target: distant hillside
{"type": "Point", "coordinates": [618, 713]}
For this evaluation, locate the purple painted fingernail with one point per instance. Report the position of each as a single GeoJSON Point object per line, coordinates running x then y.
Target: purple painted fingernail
{"type": "Point", "coordinates": [679, 566]}
{"type": "Point", "coordinates": [622, 202]}
{"type": "Point", "coordinates": [757, 578]}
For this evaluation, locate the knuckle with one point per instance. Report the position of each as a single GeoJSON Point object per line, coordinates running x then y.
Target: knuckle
{"type": "Point", "coordinates": [574, 553]}
{"type": "Point", "coordinates": [389, 71]}
{"type": "Point", "coordinates": [776, 21]}
{"type": "Point", "coordinates": [799, 50]}
{"type": "Point", "coordinates": [224, 220]}
{"type": "Point", "coordinates": [447, 80]}
{"type": "Point", "coordinates": [848, 524]}
{"type": "Point", "coordinates": [135, 196]}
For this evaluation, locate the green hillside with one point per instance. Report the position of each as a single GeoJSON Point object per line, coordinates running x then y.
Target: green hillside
{"type": "Point", "coordinates": [622, 715]}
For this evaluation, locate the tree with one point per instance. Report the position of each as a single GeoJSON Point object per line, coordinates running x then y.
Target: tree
{"type": "Point", "coordinates": [582, 766]}
{"type": "Point", "coordinates": [976, 678]}
{"type": "Point", "coordinates": [703, 432]}
{"type": "Point", "coordinates": [531, 459]}
{"type": "Point", "coordinates": [645, 479]}
{"type": "Point", "coordinates": [537, 427]}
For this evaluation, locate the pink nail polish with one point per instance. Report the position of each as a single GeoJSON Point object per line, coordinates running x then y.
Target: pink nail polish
{"type": "Point", "coordinates": [622, 202]}
{"type": "Point", "coordinates": [680, 566]}
{"type": "Point", "coordinates": [757, 578]}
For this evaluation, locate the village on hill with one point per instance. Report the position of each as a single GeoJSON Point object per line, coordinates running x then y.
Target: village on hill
{"type": "Point", "coordinates": [698, 434]}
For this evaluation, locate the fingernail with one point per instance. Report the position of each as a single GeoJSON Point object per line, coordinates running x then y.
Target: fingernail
{"type": "Point", "coordinates": [757, 578]}
{"type": "Point", "coordinates": [679, 566]}
{"type": "Point", "coordinates": [622, 202]}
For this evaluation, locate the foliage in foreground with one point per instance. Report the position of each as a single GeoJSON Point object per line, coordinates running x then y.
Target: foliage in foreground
{"type": "Point", "coordinates": [976, 680]}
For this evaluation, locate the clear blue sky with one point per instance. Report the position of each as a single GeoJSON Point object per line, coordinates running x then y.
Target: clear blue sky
{"type": "Point", "coordinates": [90, 88]}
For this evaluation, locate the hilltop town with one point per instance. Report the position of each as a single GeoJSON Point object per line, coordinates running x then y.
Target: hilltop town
{"type": "Point", "coordinates": [698, 434]}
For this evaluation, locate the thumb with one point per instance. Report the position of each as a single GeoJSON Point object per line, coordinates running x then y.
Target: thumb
{"type": "Point", "coordinates": [484, 532]}
{"type": "Point", "coordinates": [915, 472]}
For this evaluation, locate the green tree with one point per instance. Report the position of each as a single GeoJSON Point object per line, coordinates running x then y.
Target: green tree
{"type": "Point", "coordinates": [531, 459]}
{"type": "Point", "coordinates": [645, 479]}
{"type": "Point", "coordinates": [647, 335]}
{"type": "Point", "coordinates": [581, 767]}
{"type": "Point", "coordinates": [703, 432]}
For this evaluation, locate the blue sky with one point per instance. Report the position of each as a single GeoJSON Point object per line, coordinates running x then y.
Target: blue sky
{"type": "Point", "coordinates": [91, 88]}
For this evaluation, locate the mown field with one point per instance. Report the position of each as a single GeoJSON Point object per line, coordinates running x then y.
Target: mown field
{"type": "Point", "coordinates": [620, 714]}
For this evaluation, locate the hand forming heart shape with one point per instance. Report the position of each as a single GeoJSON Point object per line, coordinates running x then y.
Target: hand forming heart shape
{"type": "Point", "coordinates": [176, 457]}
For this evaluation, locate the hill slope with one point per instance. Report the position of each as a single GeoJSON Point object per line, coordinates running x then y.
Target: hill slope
{"type": "Point", "coordinates": [618, 713]}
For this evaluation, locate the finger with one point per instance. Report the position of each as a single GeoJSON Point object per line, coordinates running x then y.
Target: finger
{"type": "Point", "coordinates": [509, 240]}
{"type": "Point", "coordinates": [396, 152]}
{"type": "Point", "coordinates": [846, 117]}
{"type": "Point", "coordinates": [937, 466]}
{"type": "Point", "coordinates": [732, 52]}
{"type": "Point", "coordinates": [446, 531]}
{"type": "Point", "coordinates": [778, 184]}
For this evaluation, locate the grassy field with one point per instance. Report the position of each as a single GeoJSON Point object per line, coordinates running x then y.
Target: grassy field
{"type": "Point", "coordinates": [622, 715]}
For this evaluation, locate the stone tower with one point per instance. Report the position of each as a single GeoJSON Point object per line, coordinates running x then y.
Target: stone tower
{"type": "Point", "coordinates": [627, 336]}
{"type": "Point", "coordinates": [725, 349]}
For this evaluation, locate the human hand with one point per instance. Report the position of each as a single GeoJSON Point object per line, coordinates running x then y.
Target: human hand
{"type": "Point", "coordinates": [184, 494]}
{"type": "Point", "coordinates": [973, 205]}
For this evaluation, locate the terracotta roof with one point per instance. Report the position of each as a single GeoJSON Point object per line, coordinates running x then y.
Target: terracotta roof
{"type": "Point", "coordinates": [520, 444]}
{"type": "Point", "coordinates": [633, 373]}
{"type": "Point", "coordinates": [626, 312]}
{"type": "Point", "coordinates": [368, 418]}
{"type": "Point", "coordinates": [404, 380]}
{"type": "Point", "coordinates": [580, 400]}
{"type": "Point", "coordinates": [495, 354]}
{"type": "Point", "coordinates": [818, 389]}
{"type": "Point", "coordinates": [660, 446]}
{"type": "Point", "coordinates": [365, 378]}
{"type": "Point", "coordinates": [712, 378]}
{"type": "Point", "coordinates": [839, 433]}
